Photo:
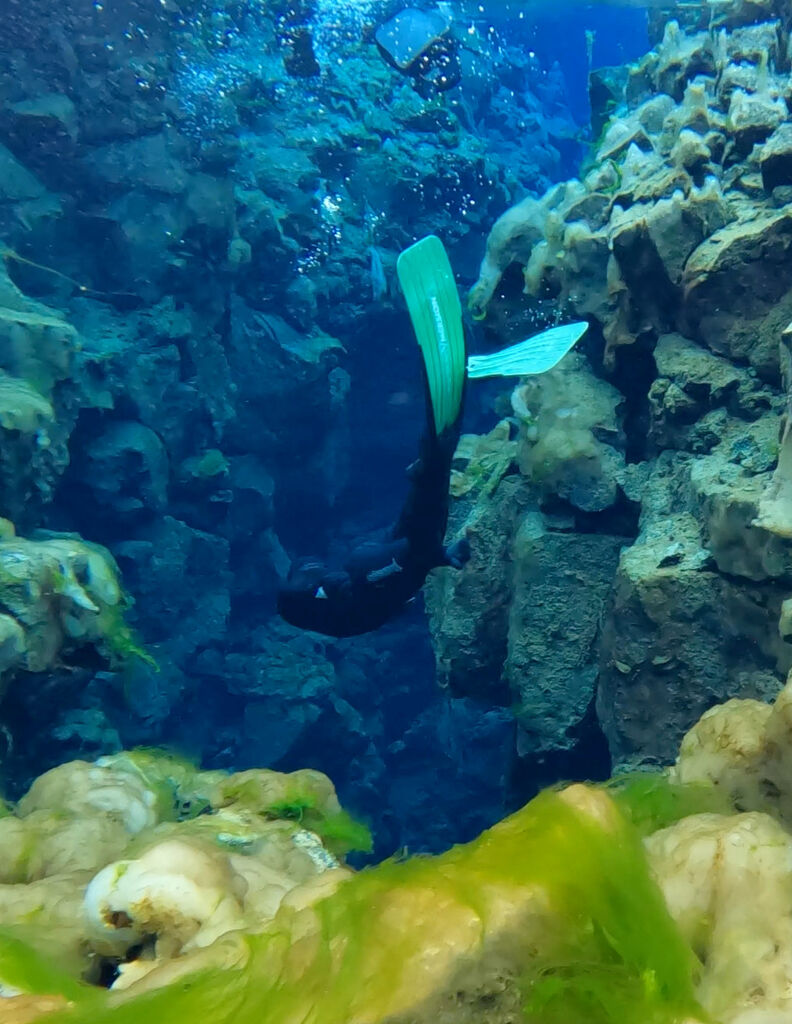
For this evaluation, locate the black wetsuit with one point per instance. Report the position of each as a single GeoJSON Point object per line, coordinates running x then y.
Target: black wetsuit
{"type": "Point", "coordinates": [378, 579]}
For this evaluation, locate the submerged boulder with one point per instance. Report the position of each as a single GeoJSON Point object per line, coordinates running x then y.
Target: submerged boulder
{"type": "Point", "coordinates": [738, 287]}
{"type": "Point", "coordinates": [635, 900]}
{"type": "Point", "coordinates": [563, 878]}
{"type": "Point", "coordinates": [59, 594]}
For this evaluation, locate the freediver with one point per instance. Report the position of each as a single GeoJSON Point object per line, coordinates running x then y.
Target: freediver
{"type": "Point", "coordinates": [379, 578]}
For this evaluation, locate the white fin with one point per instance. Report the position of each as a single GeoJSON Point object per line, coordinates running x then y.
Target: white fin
{"type": "Point", "coordinates": [380, 574]}
{"type": "Point", "coordinates": [535, 355]}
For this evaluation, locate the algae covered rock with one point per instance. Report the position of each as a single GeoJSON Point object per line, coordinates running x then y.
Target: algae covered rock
{"type": "Point", "coordinates": [12, 642]}
{"type": "Point", "coordinates": [23, 409]}
{"type": "Point", "coordinates": [676, 157]}
{"type": "Point", "coordinates": [571, 435]}
{"type": "Point", "coordinates": [560, 912]}
{"type": "Point", "coordinates": [725, 877]}
{"type": "Point", "coordinates": [59, 592]}
{"type": "Point", "coordinates": [512, 238]}
{"type": "Point", "coordinates": [726, 882]}
{"type": "Point", "coordinates": [142, 849]}
{"type": "Point", "coordinates": [563, 881]}
{"type": "Point", "coordinates": [38, 350]}
{"type": "Point", "coordinates": [743, 747]}
{"type": "Point", "coordinates": [182, 892]}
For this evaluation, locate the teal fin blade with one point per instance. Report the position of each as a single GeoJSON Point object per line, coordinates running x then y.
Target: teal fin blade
{"type": "Point", "coordinates": [435, 310]}
{"type": "Point", "coordinates": [535, 355]}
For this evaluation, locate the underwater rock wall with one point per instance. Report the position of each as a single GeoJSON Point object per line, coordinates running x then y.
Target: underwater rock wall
{"type": "Point", "coordinates": [647, 567]}
{"type": "Point", "coordinates": [194, 277]}
{"type": "Point", "coordinates": [196, 289]}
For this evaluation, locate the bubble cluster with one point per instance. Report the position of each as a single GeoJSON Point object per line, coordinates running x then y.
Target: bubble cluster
{"type": "Point", "coordinates": [338, 23]}
{"type": "Point", "coordinates": [217, 58]}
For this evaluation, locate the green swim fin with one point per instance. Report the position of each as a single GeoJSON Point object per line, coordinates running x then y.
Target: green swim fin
{"type": "Point", "coordinates": [435, 310]}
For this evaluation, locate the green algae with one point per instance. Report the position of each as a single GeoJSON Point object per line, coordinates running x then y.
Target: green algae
{"type": "Point", "coordinates": [623, 961]}
{"type": "Point", "coordinates": [651, 800]}
{"type": "Point", "coordinates": [174, 780]}
{"type": "Point", "coordinates": [23, 968]}
{"type": "Point", "coordinates": [341, 834]}
{"type": "Point", "coordinates": [291, 808]}
{"type": "Point", "coordinates": [121, 641]}
{"type": "Point", "coordinates": [301, 804]}
{"type": "Point", "coordinates": [339, 831]}
{"type": "Point", "coordinates": [588, 933]}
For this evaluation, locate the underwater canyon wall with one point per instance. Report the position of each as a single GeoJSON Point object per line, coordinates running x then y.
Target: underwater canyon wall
{"type": "Point", "coordinates": [196, 294]}
{"type": "Point", "coordinates": [197, 307]}
{"type": "Point", "coordinates": [632, 513]}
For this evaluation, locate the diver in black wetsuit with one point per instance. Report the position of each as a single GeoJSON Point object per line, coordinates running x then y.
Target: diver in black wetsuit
{"type": "Point", "coordinates": [378, 579]}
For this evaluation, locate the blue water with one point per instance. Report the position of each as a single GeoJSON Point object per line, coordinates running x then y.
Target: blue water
{"type": "Point", "coordinates": [174, 131]}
